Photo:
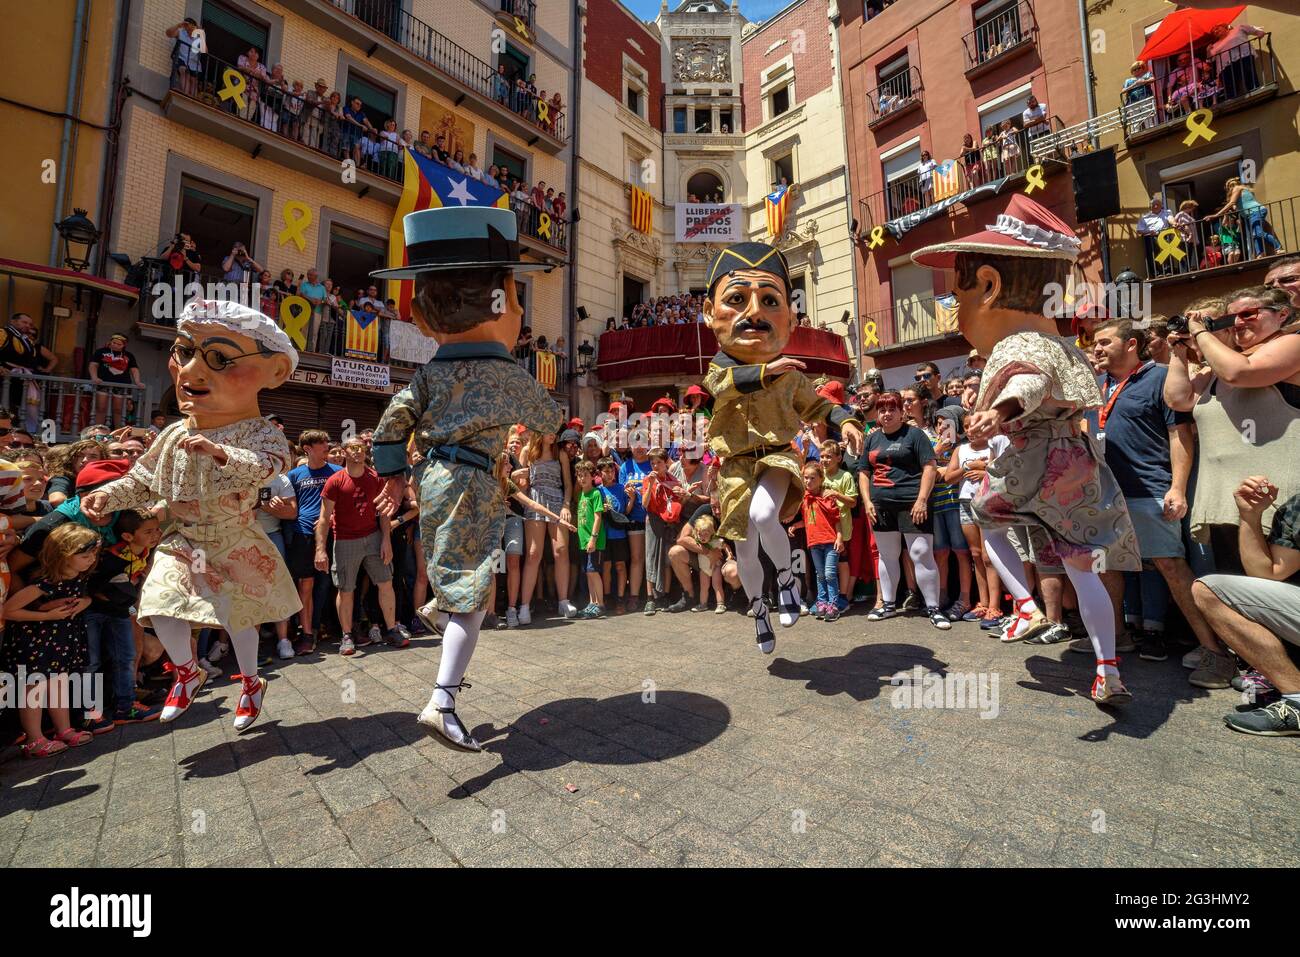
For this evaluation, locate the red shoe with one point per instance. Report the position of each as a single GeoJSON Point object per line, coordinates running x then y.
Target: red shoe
{"type": "Point", "coordinates": [1109, 690]}
{"type": "Point", "coordinates": [250, 702]}
{"type": "Point", "coordinates": [189, 679]}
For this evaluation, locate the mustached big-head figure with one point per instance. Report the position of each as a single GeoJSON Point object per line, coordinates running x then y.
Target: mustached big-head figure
{"type": "Point", "coordinates": [760, 399]}
{"type": "Point", "coordinates": [748, 304]}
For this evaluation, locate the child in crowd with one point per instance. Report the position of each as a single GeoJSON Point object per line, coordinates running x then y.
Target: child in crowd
{"type": "Point", "coordinates": [591, 537]}
{"type": "Point", "coordinates": [841, 485]}
{"type": "Point", "coordinates": [114, 590]}
{"type": "Point", "coordinates": [966, 470]}
{"type": "Point", "coordinates": [710, 561]}
{"type": "Point", "coordinates": [616, 541]}
{"type": "Point", "coordinates": [820, 521]}
{"type": "Point", "coordinates": [1213, 253]}
{"type": "Point", "coordinates": [661, 494]}
{"type": "Point", "coordinates": [47, 637]}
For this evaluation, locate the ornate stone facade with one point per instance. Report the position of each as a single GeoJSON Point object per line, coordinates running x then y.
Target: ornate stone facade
{"type": "Point", "coordinates": [701, 61]}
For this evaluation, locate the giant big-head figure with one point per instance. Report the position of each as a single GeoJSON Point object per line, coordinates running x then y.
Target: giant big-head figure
{"type": "Point", "coordinates": [748, 302]}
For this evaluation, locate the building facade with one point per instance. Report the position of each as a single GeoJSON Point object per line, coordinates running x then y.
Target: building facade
{"type": "Point", "coordinates": [711, 113]}
{"type": "Point", "coordinates": [918, 78]}
{"type": "Point", "coordinates": [1249, 87]}
{"type": "Point", "coordinates": [211, 148]}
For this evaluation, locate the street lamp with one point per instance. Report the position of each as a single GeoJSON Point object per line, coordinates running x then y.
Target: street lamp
{"type": "Point", "coordinates": [77, 231]}
{"type": "Point", "coordinates": [586, 357]}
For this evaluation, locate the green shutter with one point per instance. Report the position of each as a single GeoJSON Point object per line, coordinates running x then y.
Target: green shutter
{"type": "Point", "coordinates": [372, 97]}
{"type": "Point", "coordinates": [253, 34]}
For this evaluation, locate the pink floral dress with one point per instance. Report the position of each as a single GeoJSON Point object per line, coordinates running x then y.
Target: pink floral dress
{"type": "Point", "coordinates": [215, 566]}
{"type": "Point", "coordinates": [1052, 477]}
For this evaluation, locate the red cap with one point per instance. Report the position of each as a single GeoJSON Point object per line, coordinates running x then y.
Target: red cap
{"type": "Point", "coordinates": [97, 473]}
{"type": "Point", "coordinates": [833, 391]}
{"type": "Point", "coordinates": [697, 390]}
{"type": "Point", "coordinates": [663, 400]}
{"type": "Point", "coordinates": [1023, 228]}
{"type": "Point", "coordinates": [575, 423]}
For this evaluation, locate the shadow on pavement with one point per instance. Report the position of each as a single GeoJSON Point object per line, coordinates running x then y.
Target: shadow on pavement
{"type": "Point", "coordinates": [862, 673]}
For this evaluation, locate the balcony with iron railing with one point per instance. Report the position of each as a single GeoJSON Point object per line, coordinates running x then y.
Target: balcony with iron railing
{"type": "Point", "coordinates": [265, 118]}
{"type": "Point", "coordinates": [325, 333]}
{"type": "Point", "coordinates": [390, 35]}
{"type": "Point", "coordinates": [896, 96]}
{"type": "Point", "coordinates": [1000, 38]}
{"type": "Point", "coordinates": [55, 408]}
{"type": "Point", "coordinates": [1243, 239]}
{"type": "Point", "coordinates": [554, 375]}
{"type": "Point", "coordinates": [916, 191]}
{"type": "Point", "coordinates": [544, 231]}
{"type": "Point", "coordinates": [1235, 79]}
{"type": "Point", "coordinates": [909, 323]}
{"type": "Point", "coordinates": [525, 10]}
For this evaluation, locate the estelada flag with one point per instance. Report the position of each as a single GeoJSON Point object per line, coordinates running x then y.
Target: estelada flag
{"type": "Point", "coordinates": [642, 210]}
{"type": "Point", "coordinates": [427, 184]}
{"type": "Point", "coordinates": [947, 180]}
{"type": "Point", "coordinates": [777, 204]}
{"type": "Point", "coordinates": [362, 341]}
{"type": "Point", "coordinates": [546, 374]}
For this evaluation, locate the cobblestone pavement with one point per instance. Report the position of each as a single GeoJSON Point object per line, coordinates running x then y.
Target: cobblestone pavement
{"type": "Point", "coordinates": [672, 741]}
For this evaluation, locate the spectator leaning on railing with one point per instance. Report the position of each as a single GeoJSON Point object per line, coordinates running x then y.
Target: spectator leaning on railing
{"type": "Point", "coordinates": [113, 366]}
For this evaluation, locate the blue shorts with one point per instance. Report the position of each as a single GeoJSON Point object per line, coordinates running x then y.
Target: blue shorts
{"type": "Point", "coordinates": [947, 531]}
{"type": "Point", "coordinates": [1157, 536]}
{"type": "Point", "coordinates": [593, 561]}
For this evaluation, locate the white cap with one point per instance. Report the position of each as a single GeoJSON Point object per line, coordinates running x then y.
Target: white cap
{"type": "Point", "coordinates": [202, 315]}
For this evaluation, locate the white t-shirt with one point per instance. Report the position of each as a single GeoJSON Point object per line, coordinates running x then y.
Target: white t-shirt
{"type": "Point", "coordinates": [1030, 118]}
{"type": "Point", "coordinates": [279, 486]}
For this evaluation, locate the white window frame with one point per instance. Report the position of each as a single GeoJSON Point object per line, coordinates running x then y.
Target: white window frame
{"type": "Point", "coordinates": [635, 78]}
{"type": "Point", "coordinates": [778, 76]}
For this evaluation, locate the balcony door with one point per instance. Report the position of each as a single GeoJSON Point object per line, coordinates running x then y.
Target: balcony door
{"type": "Point", "coordinates": [352, 257]}
{"type": "Point", "coordinates": [230, 33]}
{"type": "Point", "coordinates": [912, 290]}
{"type": "Point", "coordinates": [216, 219]}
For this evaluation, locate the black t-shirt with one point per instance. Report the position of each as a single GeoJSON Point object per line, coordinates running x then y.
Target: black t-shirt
{"type": "Point", "coordinates": [62, 484]}
{"type": "Point", "coordinates": [114, 366]}
{"type": "Point", "coordinates": [897, 461]}
{"type": "Point", "coordinates": [36, 533]}
{"type": "Point", "coordinates": [511, 503]}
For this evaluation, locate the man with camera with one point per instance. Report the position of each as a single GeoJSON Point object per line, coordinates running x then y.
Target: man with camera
{"type": "Point", "coordinates": [239, 267]}
{"type": "Point", "coordinates": [183, 258]}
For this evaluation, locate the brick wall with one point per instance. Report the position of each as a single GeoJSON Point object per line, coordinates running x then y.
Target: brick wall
{"type": "Point", "coordinates": [609, 27]}
{"type": "Point", "coordinates": [801, 33]}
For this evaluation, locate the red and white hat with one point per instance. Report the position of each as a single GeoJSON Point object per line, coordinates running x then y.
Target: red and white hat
{"type": "Point", "coordinates": [1024, 228]}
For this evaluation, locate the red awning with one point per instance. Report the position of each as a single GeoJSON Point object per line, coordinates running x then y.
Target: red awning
{"type": "Point", "coordinates": [1184, 28]}
{"type": "Point", "coordinates": [68, 277]}
{"type": "Point", "coordinates": [685, 351]}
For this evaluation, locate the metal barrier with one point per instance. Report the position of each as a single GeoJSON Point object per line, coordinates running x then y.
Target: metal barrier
{"type": "Point", "coordinates": [56, 408]}
{"type": "Point", "coordinates": [551, 229]}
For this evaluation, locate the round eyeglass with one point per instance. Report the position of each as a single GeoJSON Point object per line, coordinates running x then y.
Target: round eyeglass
{"type": "Point", "coordinates": [216, 361]}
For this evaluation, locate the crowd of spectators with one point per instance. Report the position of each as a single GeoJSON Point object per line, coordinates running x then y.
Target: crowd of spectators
{"type": "Point", "coordinates": [1238, 230]}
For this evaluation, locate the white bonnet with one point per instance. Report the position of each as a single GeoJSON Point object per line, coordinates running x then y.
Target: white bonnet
{"type": "Point", "coordinates": [201, 315]}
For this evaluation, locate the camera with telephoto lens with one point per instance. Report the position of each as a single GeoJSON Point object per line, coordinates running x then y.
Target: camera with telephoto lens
{"type": "Point", "coordinates": [1177, 325]}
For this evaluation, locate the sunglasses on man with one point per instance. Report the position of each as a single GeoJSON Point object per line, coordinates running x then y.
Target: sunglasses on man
{"type": "Point", "coordinates": [923, 377]}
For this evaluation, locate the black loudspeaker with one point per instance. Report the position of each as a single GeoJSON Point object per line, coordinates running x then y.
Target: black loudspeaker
{"type": "Point", "coordinates": [1096, 185]}
{"type": "Point", "coordinates": [582, 312]}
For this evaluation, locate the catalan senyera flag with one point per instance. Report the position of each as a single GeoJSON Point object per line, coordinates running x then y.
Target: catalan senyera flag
{"type": "Point", "coordinates": [945, 313]}
{"type": "Point", "coordinates": [643, 209]}
{"type": "Point", "coordinates": [777, 204]}
{"type": "Point", "coordinates": [947, 180]}
{"type": "Point", "coordinates": [362, 339]}
{"type": "Point", "coordinates": [427, 184]}
{"type": "Point", "coordinates": [546, 373]}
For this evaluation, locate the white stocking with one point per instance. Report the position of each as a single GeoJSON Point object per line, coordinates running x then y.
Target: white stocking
{"type": "Point", "coordinates": [1098, 615]}
{"type": "Point", "coordinates": [889, 546]}
{"type": "Point", "coordinates": [458, 641]}
{"type": "Point", "coordinates": [245, 643]}
{"type": "Point", "coordinates": [764, 530]}
{"type": "Point", "coordinates": [174, 635]}
{"type": "Point", "coordinates": [1007, 561]}
{"type": "Point", "coordinates": [921, 549]}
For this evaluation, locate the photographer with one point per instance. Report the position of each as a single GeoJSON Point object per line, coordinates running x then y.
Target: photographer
{"type": "Point", "coordinates": [183, 258]}
{"type": "Point", "coordinates": [1246, 402]}
{"type": "Point", "coordinates": [239, 266]}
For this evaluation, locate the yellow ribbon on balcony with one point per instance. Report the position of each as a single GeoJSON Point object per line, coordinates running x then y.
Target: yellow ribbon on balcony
{"type": "Point", "coordinates": [1171, 244]}
{"type": "Point", "coordinates": [544, 225]}
{"type": "Point", "coordinates": [521, 27]}
{"type": "Point", "coordinates": [233, 88]}
{"type": "Point", "coordinates": [1034, 177]}
{"type": "Point", "coordinates": [295, 313]}
{"type": "Point", "coordinates": [869, 338]}
{"type": "Point", "coordinates": [877, 237]}
{"type": "Point", "coordinates": [543, 111]}
{"type": "Point", "coordinates": [1198, 126]}
{"type": "Point", "coordinates": [295, 225]}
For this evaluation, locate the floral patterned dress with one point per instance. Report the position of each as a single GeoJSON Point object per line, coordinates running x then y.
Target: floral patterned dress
{"type": "Point", "coordinates": [52, 647]}
{"type": "Point", "coordinates": [1052, 476]}
{"type": "Point", "coordinates": [214, 566]}
{"type": "Point", "coordinates": [469, 394]}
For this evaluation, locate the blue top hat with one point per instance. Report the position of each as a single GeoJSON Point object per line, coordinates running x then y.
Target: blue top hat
{"type": "Point", "coordinates": [450, 238]}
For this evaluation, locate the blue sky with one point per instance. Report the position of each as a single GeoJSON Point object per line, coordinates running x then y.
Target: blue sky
{"type": "Point", "coordinates": [755, 10]}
